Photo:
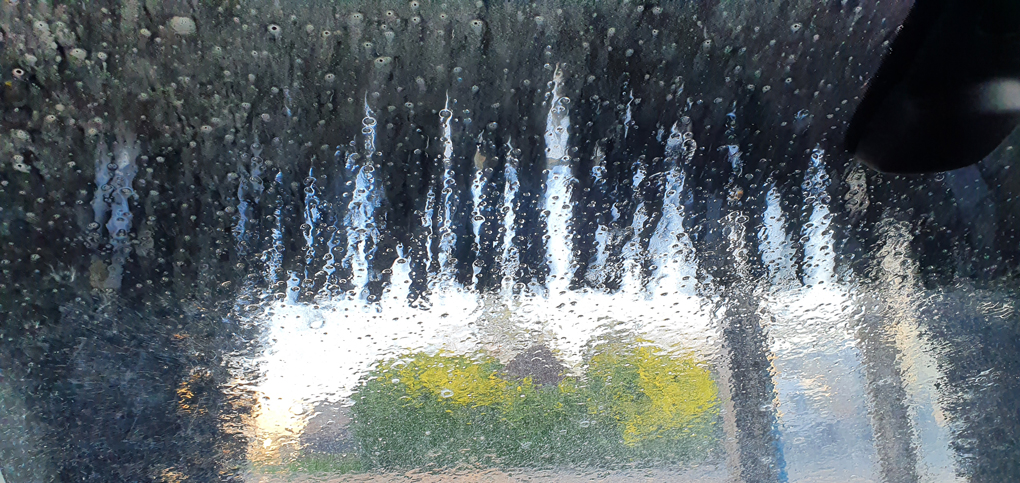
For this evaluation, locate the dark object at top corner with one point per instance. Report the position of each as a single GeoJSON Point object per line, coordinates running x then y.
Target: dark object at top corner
{"type": "Point", "coordinates": [948, 91]}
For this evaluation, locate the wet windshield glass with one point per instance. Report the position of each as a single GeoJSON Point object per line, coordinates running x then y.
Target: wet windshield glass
{"type": "Point", "coordinates": [267, 241]}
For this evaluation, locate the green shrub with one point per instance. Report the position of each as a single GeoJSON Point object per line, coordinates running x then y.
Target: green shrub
{"type": "Point", "coordinates": [634, 404]}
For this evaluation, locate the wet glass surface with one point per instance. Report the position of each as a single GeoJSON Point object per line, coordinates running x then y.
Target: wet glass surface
{"type": "Point", "coordinates": [486, 241]}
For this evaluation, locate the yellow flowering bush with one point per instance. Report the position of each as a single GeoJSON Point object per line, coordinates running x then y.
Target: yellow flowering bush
{"type": "Point", "coordinates": [652, 394]}
{"type": "Point", "coordinates": [459, 379]}
{"type": "Point", "coordinates": [634, 403]}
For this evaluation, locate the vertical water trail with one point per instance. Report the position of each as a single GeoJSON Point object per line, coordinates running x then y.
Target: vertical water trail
{"type": "Point", "coordinates": [312, 215]}
{"type": "Point", "coordinates": [273, 256]}
{"type": "Point", "coordinates": [293, 287]}
{"type": "Point", "coordinates": [396, 295]}
{"type": "Point", "coordinates": [114, 187]}
{"type": "Point", "coordinates": [368, 130]}
{"type": "Point", "coordinates": [429, 232]}
{"type": "Point", "coordinates": [775, 243]}
{"type": "Point", "coordinates": [125, 151]}
{"type": "Point", "coordinates": [556, 204]}
{"type": "Point", "coordinates": [105, 169]}
{"type": "Point", "coordinates": [628, 117]}
{"type": "Point", "coordinates": [448, 200]}
{"type": "Point", "coordinates": [104, 173]}
{"type": "Point", "coordinates": [332, 283]}
{"type": "Point", "coordinates": [286, 102]}
{"type": "Point", "coordinates": [249, 196]}
{"type": "Point", "coordinates": [510, 258]}
{"type": "Point", "coordinates": [362, 232]}
{"type": "Point", "coordinates": [819, 255]}
{"type": "Point", "coordinates": [478, 212]}
{"type": "Point", "coordinates": [596, 273]}
{"type": "Point", "coordinates": [444, 290]}
{"type": "Point", "coordinates": [633, 253]}
{"type": "Point", "coordinates": [669, 247]}
{"type": "Point", "coordinates": [249, 192]}
{"type": "Point", "coordinates": [734, 221]}
{"type": "Point", "coordinates": [679, 317]}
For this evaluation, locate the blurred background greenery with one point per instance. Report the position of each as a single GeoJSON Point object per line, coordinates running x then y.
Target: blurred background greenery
{"type": "Point", "coordinates": [632, 403]}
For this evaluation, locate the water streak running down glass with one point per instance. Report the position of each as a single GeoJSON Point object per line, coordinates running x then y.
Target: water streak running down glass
{"type": "Point", "coordinates": [486, 241]}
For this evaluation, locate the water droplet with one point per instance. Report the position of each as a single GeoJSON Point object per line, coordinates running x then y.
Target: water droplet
{"type": "Point", "coordinates": [180, 26]}
{"type": "Point", "coordinates": [78, 54]}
